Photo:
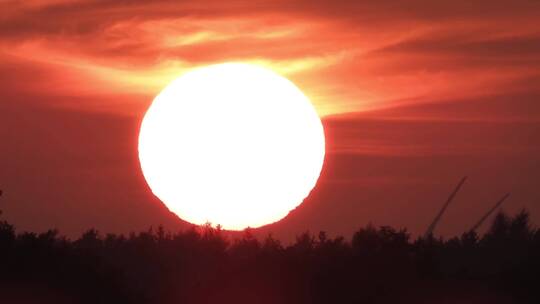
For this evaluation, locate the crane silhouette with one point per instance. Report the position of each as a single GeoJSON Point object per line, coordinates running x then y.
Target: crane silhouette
{"type": "Point", "coordinates": [490, 211]}
{"type": "Point", "coordinates": [433, 225]}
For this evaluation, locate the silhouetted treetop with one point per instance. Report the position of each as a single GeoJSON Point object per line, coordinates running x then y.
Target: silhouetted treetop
{"type": "Point", "coordinates": [202, 265]}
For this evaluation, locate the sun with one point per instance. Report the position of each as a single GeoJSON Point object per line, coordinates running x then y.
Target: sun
{"type": "Point", "coordinates": [231, 144]}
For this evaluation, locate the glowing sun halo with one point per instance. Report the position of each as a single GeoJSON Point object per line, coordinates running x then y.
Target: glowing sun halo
{"type": "Point", "coordinates": [231, 144]}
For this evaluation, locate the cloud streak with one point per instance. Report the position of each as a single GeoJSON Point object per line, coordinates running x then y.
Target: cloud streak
{"type": "Point", "coordinates": [415, 95]}
{"type": "Point", "coordinates": [346, 55]}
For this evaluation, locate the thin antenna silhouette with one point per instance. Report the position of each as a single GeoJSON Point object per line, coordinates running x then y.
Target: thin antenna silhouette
{"type": "Point", "coordinates": [431, 228]}
{"type": "Point", "coordinates": [481, 221]}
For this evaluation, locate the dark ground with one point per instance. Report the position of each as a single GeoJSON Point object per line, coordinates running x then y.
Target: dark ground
{"type": "Point", "coordinates": [202, 265]}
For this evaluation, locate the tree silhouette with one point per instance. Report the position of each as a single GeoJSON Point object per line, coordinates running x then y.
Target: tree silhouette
{"type": "Point", "coordinates": [202, 265]}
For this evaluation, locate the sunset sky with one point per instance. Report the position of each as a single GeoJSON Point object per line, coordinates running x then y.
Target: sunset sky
{"type": "Point", "coordinates": [414, 95]}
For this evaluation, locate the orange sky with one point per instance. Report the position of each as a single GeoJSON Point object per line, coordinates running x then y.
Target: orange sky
{"type": "Point", "coordinates": [414, 93]}
{"type": "Point", "coordinates": [346, 55]}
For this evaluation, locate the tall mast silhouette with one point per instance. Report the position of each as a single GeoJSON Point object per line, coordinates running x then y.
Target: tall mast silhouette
{"type": "Point", "coordinates": [490, 211]}
{"type": "Point", "coordinates": [431, 228]}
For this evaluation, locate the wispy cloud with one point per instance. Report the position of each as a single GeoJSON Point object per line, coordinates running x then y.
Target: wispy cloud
{"type": "Point", "coordinates": [346, 55]}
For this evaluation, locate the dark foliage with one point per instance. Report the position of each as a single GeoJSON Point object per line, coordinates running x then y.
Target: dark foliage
{"type": "Point", "coordinates": [379, 265]}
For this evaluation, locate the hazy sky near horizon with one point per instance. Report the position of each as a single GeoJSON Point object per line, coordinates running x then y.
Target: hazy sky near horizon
{"type": "Point", "coordinates": [414, 95]}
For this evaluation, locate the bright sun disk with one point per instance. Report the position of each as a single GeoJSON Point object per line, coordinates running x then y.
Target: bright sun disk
{"type": "Point", "coordinates": [231, 144]}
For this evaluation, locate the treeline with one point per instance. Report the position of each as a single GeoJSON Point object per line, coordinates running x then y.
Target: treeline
{"type": "Point", "coordinates": [202, 265]}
